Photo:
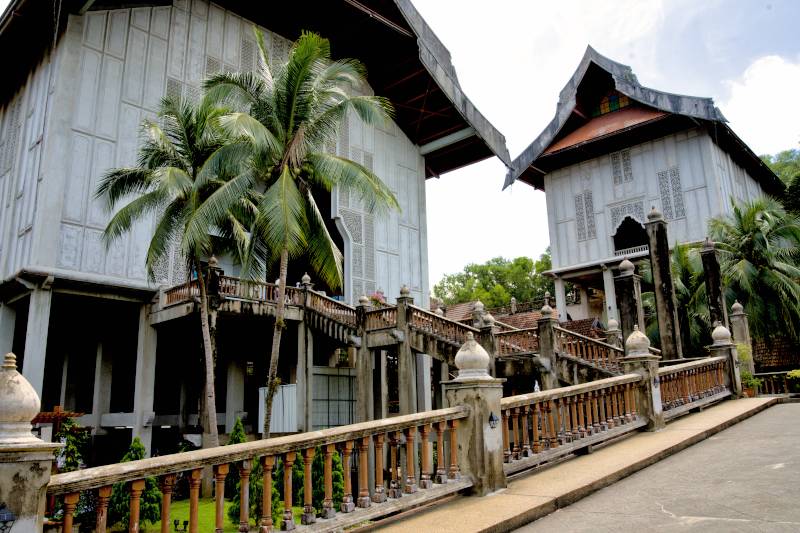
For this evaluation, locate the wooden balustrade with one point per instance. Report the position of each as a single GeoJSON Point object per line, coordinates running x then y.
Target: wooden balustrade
{"type": "Point", "coordinates": [543, 426]}
{"type": "Point", "coordinates": [333, 309]}
{"type": "Point", "coordinates": [182, 293]}
{"type": "Point", "coordinates": [597, 352]}
{"type": "Point", "coordinates": [773, 382]}
{"type": "Point", "coordinates": [383, 318]}
{"type": "Point", "coordinates": [403, 432]}
{"type": "Point", "coordinates": [688, 385]}
{"type": "Point", "coordinates": [517, 341]}
{"type": "Point", "coordinates": [439, 326]}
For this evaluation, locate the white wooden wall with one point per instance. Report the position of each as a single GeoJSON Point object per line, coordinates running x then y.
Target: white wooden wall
{"type": "Point", "coordinates": [685, 175]}
{"type": "Point", "coordinates": [125, 61]}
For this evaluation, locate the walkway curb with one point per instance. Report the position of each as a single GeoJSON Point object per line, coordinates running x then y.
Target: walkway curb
{"type": "Point", "coordinates": [447, 516]}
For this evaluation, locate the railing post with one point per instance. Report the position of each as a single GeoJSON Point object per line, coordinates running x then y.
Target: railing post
{"type": "Point", "coordinates": [724, 347]}
{"type": "Point", "coordinates": [480, 441]}
{"type": "Point", "coordinates": [613, 333]}
{"type": "Point", "coordinates": [647, 393]}
{"type": "Point", "coordinates": [628, 288]}
{"type": "Point", "coordinates": [406, 359]}
{"type": "Point", "coordinates": [364, 404]}
{"type": "Point", "coordinates": [741, 333]}
{"type": "Point", "coordinates": [547, 345]}
{"type": "Point", "coordinates": [25, 461]}
{"type": "Point", "coordinates": [711, 271]}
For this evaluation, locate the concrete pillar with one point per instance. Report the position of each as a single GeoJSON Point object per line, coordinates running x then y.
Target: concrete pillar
{"type": "Point", "coordinates": [101, 397]}
{"type": "Point", "coordinates": [487, 340]}
{"type": "Point", "coordinates": [561, 299]}
{"type": "Point", "coordinates": [8, 317]}
{"type": "Point", "coordinates": [365, 408]}
{"type": "Point", "coordinates": [307, 346]}
{"type": "Point", "coordinates": [144, 388]}
{"type": "Point", "coordinates": [614, 334]}
{"type": "Point", "coordinates": [234, 393]}
{"type": "Point", "coordinates": [723, 347]}
{"type": "Point", "coordinates": [625, 286]}
{"type": "Point", "coordinates": [741, 336]}
{"type": "Point", "coordinates": [610, 295]}
{"type": "Point", "coordinates": [480, 440]}
{"type": "Point", "coordinates": [547, 346]}
{"type": "Point", "coordinates": [25, 461]}
{"type": "Point", "coordinates": [713, 277]}
{"type": "Point", "coordinates": [639, 360]}
{"type": "Point", "coordinates": [406, 359]}
{"type": "Point", "coordinates": [668, 328]}
{"type": "Point", "coordinates": [583, 294]}
{"type": "Point", "coordinates": [424, 385]}
{"type": "Point", "coordinates": [380, 386]}
{"type": "Point", "coordinates": [36, 337]}
{"type": "Point", "coordinates": [301, 378]}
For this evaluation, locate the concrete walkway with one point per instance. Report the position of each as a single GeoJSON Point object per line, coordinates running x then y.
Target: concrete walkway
{"type": "Point", "coordinates": [534, 496]}
{"type": "Point", "coordinates": [743, 479]}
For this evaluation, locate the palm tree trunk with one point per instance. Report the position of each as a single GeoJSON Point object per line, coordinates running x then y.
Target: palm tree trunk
{"type": "Point", "coordinates": [209, 416]}
{"type": "Point", "coordinates": [272, 384]}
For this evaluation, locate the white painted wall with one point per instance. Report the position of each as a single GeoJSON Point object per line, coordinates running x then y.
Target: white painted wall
{"type": "Point", "coordinates": [114, 67]}
{"type": "Point", "coordinates": [707, 178]}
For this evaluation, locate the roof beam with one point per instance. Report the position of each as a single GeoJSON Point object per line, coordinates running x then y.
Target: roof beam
{"type": "Point", "coordinates": [374, 14]}
{"type": "Point", "coordinates": [447, 140]}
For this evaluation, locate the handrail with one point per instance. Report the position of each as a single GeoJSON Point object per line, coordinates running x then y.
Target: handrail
{"type": "Point", "coordinates": [517, 341]}
{"type": "Point", "coordinates": [695, 383]}
{"type": "Point", "coordinates": [699, 363]}
{"type": "Point", "coordinates": [101, 476]}
{"type": "Point", "coordinates": [561, 392]}
{"type": "Point", "coordinates": [181, 293]}
{"type": "Point", "coordinates": [595, 351]}
{"type": "Point", "coordinates": [331, 308]}
{"type": "Point", "coordinates": [590, 339]}
{"type": "Point", "coordinates": [443, 327]}
{"type": "Point", "coordinates": [382, 318]}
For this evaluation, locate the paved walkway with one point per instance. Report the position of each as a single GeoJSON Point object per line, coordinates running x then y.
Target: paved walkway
{"type": "Point", "coordinates": [745, 478]}
{"type": "Point", "coordinates": [537, 495]}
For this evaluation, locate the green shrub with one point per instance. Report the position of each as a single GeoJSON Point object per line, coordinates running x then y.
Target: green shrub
{"type": "Point", "coordinates": [150, 504]}
{"type": "Point", "coordinates": [749, 381]}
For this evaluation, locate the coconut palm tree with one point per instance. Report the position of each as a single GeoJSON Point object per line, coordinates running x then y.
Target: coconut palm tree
{"type": "Point", "coordinates": [759, 248]}
{"type": "Point", "coordinates": [288, 114]}
{"type": "Point", "coordinates": [181, 162]}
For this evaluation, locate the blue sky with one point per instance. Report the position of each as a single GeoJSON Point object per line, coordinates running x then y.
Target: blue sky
{"type": "Point", "coordinates": [514, 56]}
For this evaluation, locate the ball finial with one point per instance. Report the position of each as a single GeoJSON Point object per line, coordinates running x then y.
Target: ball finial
{"type": "Point", "coordinates": [306, 279]}
{"type": "Point", "coordinates": [626, 268]}
{"type": "Point", "coordinates": [637, 343]}
{"type": "Point", "coordinates": [19, 404]}
{"type": "Point", "coordinates": [472, 361]}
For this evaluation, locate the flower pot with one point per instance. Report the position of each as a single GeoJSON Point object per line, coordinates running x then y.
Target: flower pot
{"type": "Point", "coordinates": [750, 392]}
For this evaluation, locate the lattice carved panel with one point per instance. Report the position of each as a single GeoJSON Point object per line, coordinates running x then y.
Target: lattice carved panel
{"type": "Point", "coordinates": [632, 209]}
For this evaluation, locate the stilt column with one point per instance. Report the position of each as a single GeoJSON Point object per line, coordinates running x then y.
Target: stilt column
{"type": "Point", "coordinates": [664, 290]}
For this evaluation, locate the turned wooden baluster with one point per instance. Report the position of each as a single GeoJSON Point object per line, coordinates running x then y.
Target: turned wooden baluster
{"type": "Point", "coordinates": [515, 425]}
{"type": "Point", "coordinates": [425, 481]}
{"type": "Point", "coordinates": [309, 515]}
{"type": "Point", "coordinates": [136, 497]}
{"type": "Point", "coordinates": [267, 464]}
{"type": "Point", "coordinates": [363, 473]}
{"type": "Point", "coordinates": [614, 397]}
{"type": "Point", "coordinates": [506, 444]}
{"type": "Point", "coordinates": [526, 446]}
{"type": "Point", "coordinates": [537, 445]}
{"type": "Point", "coordinates": [568, 418]}
{"type": "Point", "coordinates": [167, 483]}
{"type": "Point", "coordinates": [244, 496]}
{"type": "Point", "coordinates": [347, 501]}
{"type": "Point", "coordinates": [379, 495]}
{"type": "Point", "coordinates": [411, 479]}
{"type": "Point", "coordinates": [551, 425]}
{"type": "Point", "coordinates": [70, 503]}
{"type": "Point", "coordinates": [455, 471]}
{"type": "Point", "coordinates": [441, 468]}
{"type": "Point", "coordinates": [605, 414]}
{"type": "Point", "coordinates": [629, 402]}
{"type": "Point", "coordinates": [103, 495]}
{"type": "Point", "coordinates": [220, 473]}
{"type": "Point", "coordinates": [288, 520]}
{"type": "Point", "coordinates": [581, 410]}
{"type": "Point", "coordinates": [394, 483]}
{"type": "Point", "coordinates": [556, 404]}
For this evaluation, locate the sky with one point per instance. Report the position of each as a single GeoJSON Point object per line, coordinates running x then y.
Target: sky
{"type": "Point", "coordinates": [514, 56]}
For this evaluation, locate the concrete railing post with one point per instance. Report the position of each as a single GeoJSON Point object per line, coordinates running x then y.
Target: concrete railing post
{"type": "Point", "coordinates": [25, 461]}
{"type": "Point", "coordinates": [364, 404]}
{"type": "Point", "coordinates": [628, 288]}
{"type": "Point", "coordinates": [639, 360]}
{"type": "Point", "coordinates": [614, 334]}
{"type": "Point", "coordinates": [664, 289]}
{"type": "Point", "coordinates": [740, 328]}
{"type": "Point", "coordinates": [723, 346]}
{"type": "Point", "coordinates": [480, 439]}
{"type": "Point", "coordinates": [406, 359]}
{"type": "Point", "coordinates": [713, 276]}
{"type": "Point", "coordinates": [547, 345]}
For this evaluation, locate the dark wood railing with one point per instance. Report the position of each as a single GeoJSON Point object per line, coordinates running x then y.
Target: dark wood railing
{"type": "Point", "coordinates": [439, 326]}
{"type": "Point", "coordinates": [382, 318]}
{"type": "Point", "coordinates": [688, 385]}
{"type": "Point", "coordinates": [518, 341]}
{"type": "Point", "coordinates": [333, 309]}
{"type": "Point", "coordinates": [597, 352]}
{"type": "Point", "coordinates": [182, 293]}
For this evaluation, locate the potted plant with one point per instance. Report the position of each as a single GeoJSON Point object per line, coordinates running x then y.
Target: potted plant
{"type": "Point", "coordinates": [793, 380]}
{"type": "Point", "coordinates": [750, 384]}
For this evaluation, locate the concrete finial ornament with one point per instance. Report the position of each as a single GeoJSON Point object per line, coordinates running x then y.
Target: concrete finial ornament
{"type": "Point", "coordinates": [439, 311]}
{"type": "Point", "coordinates": [19, 404]}
{"type": "Point", "coordinates": [626, 268]}
{"type": "Point", "coordinates": [637, 343]}
{"type": "Point", "coordinates": [737, 308]}
{"type": "Point", "coordinates": [546, 309]}
{"type": "Point", "coordinates": [306, 279]}
{"type": "Point", "coordinates": [708, 244]}
{"type": "Point", "coordinates": [478, 306]}
{"type": "Point", "coordinates": [489, 319]}
{"type": "Point", "coordinates": [213, 262]}
{"type": "Point", "coordinates": [472, 361]}
{"type": "Point", "coordinates": [405, 291]}
{"type": "Point", "coordinates": [613, 325]}
{"type": "Point", "coordinates": [363, 300]}
{"type": "Point", "coordinates": [721, 336]}
{"type": "Point", "coordinates": [654, 215]}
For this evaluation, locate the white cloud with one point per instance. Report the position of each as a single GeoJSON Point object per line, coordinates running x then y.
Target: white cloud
{"type": "Point", "coordinates": [762, 107]}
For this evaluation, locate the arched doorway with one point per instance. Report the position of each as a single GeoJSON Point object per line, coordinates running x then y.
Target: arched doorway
{"type": "Point", "coordinates": [630, 234]}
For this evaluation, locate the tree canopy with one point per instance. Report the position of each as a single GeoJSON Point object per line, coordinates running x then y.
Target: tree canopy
{"type": "Point", "coordinates": [496, 281]}
{"type": "Point", "coordinates": [785, 164]}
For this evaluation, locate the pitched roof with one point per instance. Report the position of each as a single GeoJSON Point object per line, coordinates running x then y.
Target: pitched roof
{"type": "Point", "coordinates": [460, 312]}
{"type": "Point", "coordinates": [405, 60]}
{"type": "Point", "coordinates": [571, 127]}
